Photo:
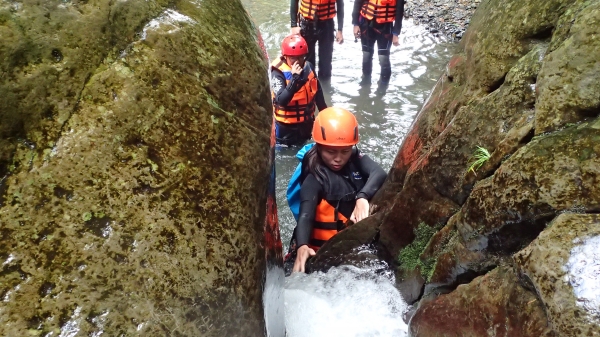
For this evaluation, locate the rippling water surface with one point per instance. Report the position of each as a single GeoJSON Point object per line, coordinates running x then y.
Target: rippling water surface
{"type": "Point", "coordinates": [343, 302]}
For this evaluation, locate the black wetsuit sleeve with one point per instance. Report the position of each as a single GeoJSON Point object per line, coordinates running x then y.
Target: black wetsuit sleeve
{"type": "Point", "coordinates": [310, 196]}
{"type": "Point", "coordinates": [340, 14]}
{"type": "Point", "coordinates": [294, 13]}
{"type": "Point", "coordinates": [356, 12]}
{"type": "Point", "coordinates": [320, 98]}
{"type": "Point", "coordinates": [284, 94]}
{"type": "Point", "coordinates": [399, 16]}
{"type": "Point", "coordinates": [376, 176]}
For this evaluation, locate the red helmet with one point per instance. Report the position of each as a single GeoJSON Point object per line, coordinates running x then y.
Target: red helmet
{"type": "Point", "coordinates": [335, 127]}
{"type": "Point", "coordinates": [294, 45]}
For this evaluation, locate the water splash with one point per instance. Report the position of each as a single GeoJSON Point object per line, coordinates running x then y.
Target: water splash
{"type": "Point", "coordinates": [346, 301]}
{"type": "Point", "coordinates": [273, 301]}
{"type": "Point", "coordinates": [584, 275]}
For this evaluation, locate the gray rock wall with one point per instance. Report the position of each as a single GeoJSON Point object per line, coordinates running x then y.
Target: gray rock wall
{"type": "Point", "coordinates": [135, 163]}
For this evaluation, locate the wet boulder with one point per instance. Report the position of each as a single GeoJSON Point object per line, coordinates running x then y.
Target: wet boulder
{"type": "Point", "coordinates": [134, 193]}
{"type": "Point", "coordinates": [568, 83]}
{"type": "Point", "coordinates": [496, 304]}
{"type": "Point", "coordinates": [563, 266]}
{"type": "Point", "coordinates": [504, 213]}
{"type": "Point", "coordinates": [508, 140]}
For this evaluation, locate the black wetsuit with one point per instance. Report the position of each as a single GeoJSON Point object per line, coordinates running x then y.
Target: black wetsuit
{"type": "Point", "coordinates": [322, 31]}
{"type": "Point", "coordinates": [293, 134]}
{"type": "Point", "coordinates": [312, 192]}
{"type": "Point", "coordinates": [370, 32]}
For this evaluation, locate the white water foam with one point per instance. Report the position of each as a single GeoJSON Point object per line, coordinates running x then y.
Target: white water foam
{"type": "Point", "coordinates": [346, 301]}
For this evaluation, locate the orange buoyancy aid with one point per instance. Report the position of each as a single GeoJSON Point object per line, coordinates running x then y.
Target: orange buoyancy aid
{"type": "Point", "coordinates": [317, 9]}
{"type": "Point", "coordinates": [340, 197]}
{"type": "Point", "coordinates": [326, 225]}
{"type": "Point", "coordinates": [382, 10]}
{"type": "Point", "coordinates": [302, 106]}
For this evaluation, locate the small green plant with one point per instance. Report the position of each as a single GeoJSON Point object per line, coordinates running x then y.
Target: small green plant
{"type": "Point", "coordinates": [480, 156]}
{"type": "Point", "coordinates": [409, 257]}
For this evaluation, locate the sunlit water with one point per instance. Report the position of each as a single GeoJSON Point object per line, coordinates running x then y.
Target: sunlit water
{"type": "Point", "coordinates": [347, 301]}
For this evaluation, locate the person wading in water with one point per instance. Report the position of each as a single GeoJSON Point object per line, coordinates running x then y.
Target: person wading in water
{"type": "Point", "coordinates": [337, 182]}
{"type": "Point", "coordinates": [296, 92]}
{"type": "Point", "coordinates": [377, 21]}
{"type": "Point", "coordinates": [313, 19]}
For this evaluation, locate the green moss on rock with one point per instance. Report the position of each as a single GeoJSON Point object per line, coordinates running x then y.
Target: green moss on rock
{"type": "Point", "coordinates": [145, 216]}
{"type": "Point", "coordinates": [410, 256]}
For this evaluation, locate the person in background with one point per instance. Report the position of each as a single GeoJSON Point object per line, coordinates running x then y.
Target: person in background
{"type": "Point", "coordinates": [377, 21]}
{"type": "Point", "coordinates": [296, 92]}
{"type": "Point", "coordinates": [313, 19]}
{"type": "Point", "coordinates": [337, 184]}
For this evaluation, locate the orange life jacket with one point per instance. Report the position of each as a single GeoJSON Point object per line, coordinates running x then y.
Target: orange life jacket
{"type": "Point", "coordinates": [382, 10]}
{"type": "Point", "coordinates": [317, 9]}
{"type": "Point", "coordinates": [302, 106]}
{"type": "Point", "coordinates": [326, 224]}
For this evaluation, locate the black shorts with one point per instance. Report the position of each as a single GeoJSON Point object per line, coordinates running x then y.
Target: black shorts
{"type": "Point", "coordinates": [293, 134]}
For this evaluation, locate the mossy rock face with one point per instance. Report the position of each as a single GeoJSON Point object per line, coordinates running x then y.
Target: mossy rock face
{"type": "Point", "coordinates": [569, 80]}
{"type": "Point", "coordinates": [492, 305]}
{"type": "Point", "coordinates": [49, 50]}
{"type": "Point", "coordinates": [527, 93]}
{"type": "Point", "coordinates": [145, 215]}
{"type": "Point", "coordinates": [504, 213]}
{"type": "Point", "coordinates": [563, 265]}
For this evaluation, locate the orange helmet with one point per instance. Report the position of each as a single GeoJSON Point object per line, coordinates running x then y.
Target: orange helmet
{"type": "Point", "coordinates": [335, 127]}
{"type": "Point", "coordinates": [294, 45]}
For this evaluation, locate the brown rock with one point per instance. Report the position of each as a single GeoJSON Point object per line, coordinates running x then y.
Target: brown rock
{"type": "Point", "coordinates": [492, 305]}
{"type": "Point", "coordinates": [563, 265]}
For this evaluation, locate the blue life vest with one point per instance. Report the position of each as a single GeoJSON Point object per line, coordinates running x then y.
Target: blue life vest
{"type": "Point", "coordinates": [294, 186]}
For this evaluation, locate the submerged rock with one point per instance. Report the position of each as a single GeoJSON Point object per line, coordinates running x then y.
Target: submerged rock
{"type": "Point", "coordinates": [139, 135]}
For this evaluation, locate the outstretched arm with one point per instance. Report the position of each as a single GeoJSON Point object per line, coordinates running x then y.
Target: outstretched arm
{"type": "Point", "coordinates": [376, 176]}
{"type": "Point", "coordinates": [309, 198]}
{"type": "Point", "coordinates": [355, 18]}
{"type": "Point", "coordinates": [399, 16]}
{"type": "Point", "coordinates": [320, 98]}
{"type": "Point", "coordinates": [339, 37]}
{"type": "Point", "coordinates": [294, 17]}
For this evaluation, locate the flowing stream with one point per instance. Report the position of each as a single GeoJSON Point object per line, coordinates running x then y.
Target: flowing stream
{"type": "Point", "coordinates": [348, 301]}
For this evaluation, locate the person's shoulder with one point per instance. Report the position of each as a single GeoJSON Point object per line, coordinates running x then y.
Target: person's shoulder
{"type": "Point", "coordinates": [310, 66]}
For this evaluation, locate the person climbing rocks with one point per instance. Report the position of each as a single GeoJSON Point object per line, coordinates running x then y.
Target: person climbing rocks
{"type": "Point", "coordinates": [296, 92]}
{"type": "Point", "coordinates": [377, 21]}
{"type": "Point", "coordinates": [337, 182]}
{"type": "Point", "coordinates": [313, 19]}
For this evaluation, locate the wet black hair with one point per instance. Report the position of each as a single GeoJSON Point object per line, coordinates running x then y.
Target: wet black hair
{"type": "Point", "coordinates": [315, 164]}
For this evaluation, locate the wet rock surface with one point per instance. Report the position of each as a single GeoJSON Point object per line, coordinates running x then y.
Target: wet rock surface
{"type": "Point", "coordinates": [496, 304]}
{"type": "Point", "coordinates": [563, 266]}
{"type": "Point", "coordinates": [442, 17]}
{"type": "Point", "coordinates": [506, 142]}
{"type": "Point", "coordinates": [134, 192]}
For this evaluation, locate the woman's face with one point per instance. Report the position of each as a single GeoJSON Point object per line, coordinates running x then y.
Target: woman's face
{"type": "Point", "coordinates": [291, 60]}
{"type": "Point", "coordinates": [335, 157]}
